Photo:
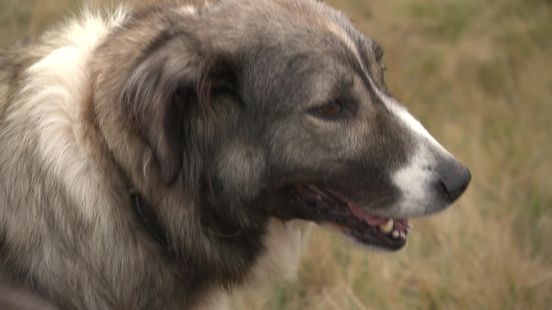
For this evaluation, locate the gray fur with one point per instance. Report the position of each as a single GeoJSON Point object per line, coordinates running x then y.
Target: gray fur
{"type": "Point", "coordinates": [208, 114]}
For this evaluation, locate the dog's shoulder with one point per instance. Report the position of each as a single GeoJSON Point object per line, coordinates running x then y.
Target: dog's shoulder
{"type": "Point", "coordinates": [57, 59]}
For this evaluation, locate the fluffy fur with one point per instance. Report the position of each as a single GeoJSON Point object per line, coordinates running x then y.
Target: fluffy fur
{"type": "Point", "coordinates": [192, 108]}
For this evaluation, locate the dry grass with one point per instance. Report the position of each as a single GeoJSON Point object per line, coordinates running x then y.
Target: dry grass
{"type": "Point", "coordinates": [479, 75]}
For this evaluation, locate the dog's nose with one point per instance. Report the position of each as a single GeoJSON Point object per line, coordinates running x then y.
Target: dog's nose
{"type": "Point", "coordinates": [453, 179]}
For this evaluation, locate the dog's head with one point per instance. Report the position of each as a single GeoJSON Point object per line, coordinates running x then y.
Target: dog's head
{"type": "Point", "coordinates": [282, 107]}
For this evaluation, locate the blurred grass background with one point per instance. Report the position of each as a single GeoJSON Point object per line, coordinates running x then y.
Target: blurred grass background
{"type": "Point", "coordinates": [478, 74]}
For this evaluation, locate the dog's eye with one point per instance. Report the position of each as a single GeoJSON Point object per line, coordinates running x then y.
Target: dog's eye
{"type": "Point", "coordinates": [332, 110]}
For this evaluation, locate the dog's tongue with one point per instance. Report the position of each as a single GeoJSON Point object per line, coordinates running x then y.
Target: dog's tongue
{"type": "Point", "coordinates": [371, 219]}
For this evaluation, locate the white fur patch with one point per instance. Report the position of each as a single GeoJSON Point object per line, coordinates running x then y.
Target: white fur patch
{"type": "Point", "coordinates": [214, 300]}
{"type": "Point", "coordinates": [187, 9]}
{"type": "Point", "coordinates": [414, 180]}
{"type": "Point", "coordinates": [284, 243]}
{"type": "Point", "coordinates": [53, 99]}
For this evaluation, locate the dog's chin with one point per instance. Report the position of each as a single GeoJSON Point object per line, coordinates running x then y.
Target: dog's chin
{"type": "Point", "coordinates": [333, 210]}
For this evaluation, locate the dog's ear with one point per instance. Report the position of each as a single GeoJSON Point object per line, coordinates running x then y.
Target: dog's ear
{"type": "Point", "coordinates": [163, 88]}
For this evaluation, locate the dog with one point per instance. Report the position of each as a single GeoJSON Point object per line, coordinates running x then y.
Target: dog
{"type": "Point", "coordinates": [157, 158]}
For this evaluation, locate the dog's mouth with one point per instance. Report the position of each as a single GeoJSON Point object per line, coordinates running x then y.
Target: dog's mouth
{"type": "Point", "coordinates": [327, 207]}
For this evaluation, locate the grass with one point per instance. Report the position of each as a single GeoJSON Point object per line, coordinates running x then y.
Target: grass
{"type": "Point", "coordinates": [479, 76]}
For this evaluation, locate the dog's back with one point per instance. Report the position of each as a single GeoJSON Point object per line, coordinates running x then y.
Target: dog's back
{"type": "Point", "coordinates": [7, 72]}
{"type": "Point", "coordinates": [13, 62]}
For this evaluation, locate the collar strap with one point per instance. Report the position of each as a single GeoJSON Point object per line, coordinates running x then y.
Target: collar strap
{"type": "Point", "coordinates": [147, 217]}
{"type": "Point", "coordinates": [150, 222]}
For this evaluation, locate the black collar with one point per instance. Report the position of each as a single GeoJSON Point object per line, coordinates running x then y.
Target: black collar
{"type": "Point", "coordinates": [147, 216]}
{"type": "Point", "coordinates": [150, 222]}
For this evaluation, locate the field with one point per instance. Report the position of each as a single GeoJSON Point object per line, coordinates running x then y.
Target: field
{"type": "Point", "coordinates": [478, 74]}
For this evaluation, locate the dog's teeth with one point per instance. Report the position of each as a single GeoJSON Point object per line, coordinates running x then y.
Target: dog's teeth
{"type": "Point", "coordinates": [387, 227]}
{"type": "Point", "coordinates": [402, 234]}
{"type": "Point", "coordinates": [396, 234]}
